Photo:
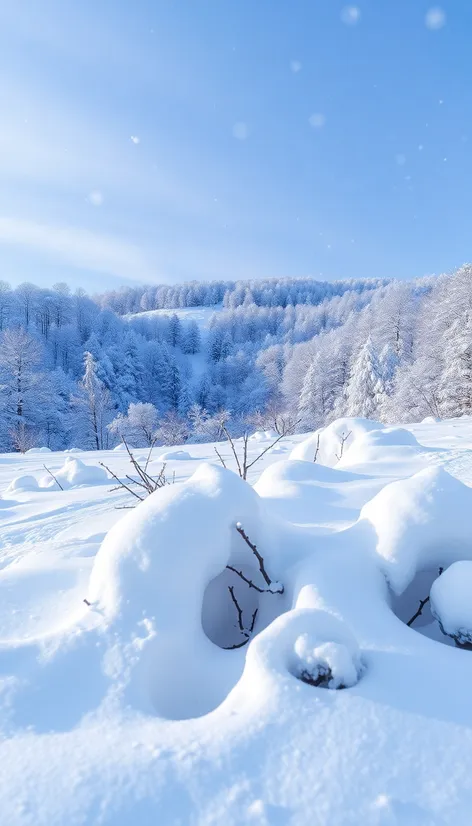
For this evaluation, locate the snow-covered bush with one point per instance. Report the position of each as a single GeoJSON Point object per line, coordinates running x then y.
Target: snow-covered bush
{"type": "Point", "coordinates": [451, 602]}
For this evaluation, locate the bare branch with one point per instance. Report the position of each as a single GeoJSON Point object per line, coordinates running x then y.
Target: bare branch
{"type": "Point", "coordinates": [259, 558]}
{"type": "Point", "coordinates": [238, 608]}
{"type": "Point", "coordinates": [419, 611]}
{"type": "Point", "coordinates": [52, 474]}
{"type": "Point", "coordinates": [253, 621]}
{"type": "Point", "coordinates": [344, 438]}
{"type": "Point", "coordinates": [121, 484]}
{"type": "Point", "coordinates": [317, 447]}
{"type": "Point", "coordinates": [423, 602]}
{"type": "Point", "coordinates": [220, 457]}
{"type": "Point", "coordinates": [246, 579]}
{"type": "Point", "coordinates": [149, 454]}
{"type": "Point", "coordinates": [245, 631]}
{"type": "Point", "coordinates": [235, 454]}
{"type": "Point", "coordinates": [265, 451]}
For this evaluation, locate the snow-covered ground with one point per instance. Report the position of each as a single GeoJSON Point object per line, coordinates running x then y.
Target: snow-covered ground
{"type": "Point", "coordinates": [130, 710]}
{"type": "Point", "coordinates": [201, 315]}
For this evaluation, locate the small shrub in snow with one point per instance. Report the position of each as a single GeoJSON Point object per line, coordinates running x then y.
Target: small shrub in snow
{"type": "Point", "coordinates": [325, 664]}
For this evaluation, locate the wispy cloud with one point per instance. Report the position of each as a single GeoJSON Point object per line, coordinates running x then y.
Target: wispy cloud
{"type": "Point", "coordinates": [80, 248]}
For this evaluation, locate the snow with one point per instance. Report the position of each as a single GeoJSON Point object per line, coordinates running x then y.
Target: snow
{"type": "Point", "coordinates": [451, 604]}
{"type": "Point", "coordinates": [263, 435]}
{"type": "Point", "coordinates": [175, 455]}
{"type": "Point", "coordinates": [135, 707]}
{"type": "Point", "coordinates": [39, 450]}
{"type": "Point", "coordinates": [329, 440]}
{"type": "Point", "coordinates": [22, 483]}
{"type": "Point", "coordinates": [419, 522]}
{"type": "Point", "coordinates": [74, 472]}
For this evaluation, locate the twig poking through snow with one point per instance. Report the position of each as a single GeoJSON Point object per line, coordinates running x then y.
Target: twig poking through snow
{"type": "Point", "coordinates": [272, 587]}
{"type": "Point", "coordinates": [220, 458]}
{"type": "Point", "coordinates": [317, 448]}
{"type": "Point", "coordinates": [344, 438]}
{"type": "Point", "coordinates": [52, 474]}
{"type": "Point", "coordinates": [423, 602]}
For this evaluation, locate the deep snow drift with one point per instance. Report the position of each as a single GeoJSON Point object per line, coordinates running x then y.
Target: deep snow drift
{"type": "Point", "coordinates": [238, 653]}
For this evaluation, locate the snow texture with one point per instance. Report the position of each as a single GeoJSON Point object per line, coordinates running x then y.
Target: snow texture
{"type": "Point", "coordinates": [135, 705]}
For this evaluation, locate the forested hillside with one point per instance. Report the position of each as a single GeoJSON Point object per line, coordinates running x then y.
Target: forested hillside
{"type": "Point", "coordinates": [76, 370]}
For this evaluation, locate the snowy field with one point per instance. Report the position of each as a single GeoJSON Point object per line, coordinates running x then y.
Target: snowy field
{"type": "Point", "coordinates": [143, 707]}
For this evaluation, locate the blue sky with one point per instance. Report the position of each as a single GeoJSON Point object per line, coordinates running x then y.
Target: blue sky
{"type": "Point", "coordinates": [166, 140]}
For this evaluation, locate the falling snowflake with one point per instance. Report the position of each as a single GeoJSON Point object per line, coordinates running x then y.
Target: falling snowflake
{"type": "Point", "coordinates": [435, 18]}
{"type": "Point", "coordinates": [135, 139]}
{"type": "Point", "coordinates": [95, 197]}
{"type": "Point", "coordinates": [350, 15]}
{"type": "Point", "coordinates": [317, 120]}
{"type": "Point", "coordinates": [400, 159]}
{"type": "Point", "coordinates": [295, 66]}
{"type": "Point", "coordinates": [240, 131]}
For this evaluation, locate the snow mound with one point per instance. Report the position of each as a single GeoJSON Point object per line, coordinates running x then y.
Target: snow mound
{"type": "Point", "coordinates": [75, 473]}
{"type": "Point", "coordinates": [178, 455]}
{"type": "Point", "coordinates": [451, 601]}
{"type": "Point", "coordinates": [329, 664]}
{"type": "Point", "coordinates": [310, 644]}
{"type": "Point", "coordinates": [39, 450]}
{"type": "Point", "coordinates": [119, 448]}
{"type": "Point", "coordinates": [389, 445]}
{"type": "Point", "coordinates": [420, 523]}
{"type": "Point", "coordinates": [149, 580]}
{"type": "Point", "coordinates": [74, 450]}
{"type": "Point", "coordinates": [430, 420]}
{"type": "Point", "coordinates": [329, 439]}
{"type": "Point", "coordinates": [22, 483]}
{"type": "Point", "coordinates": [263, 435]}
{"type": "Point", "coordinates": [307, 493]}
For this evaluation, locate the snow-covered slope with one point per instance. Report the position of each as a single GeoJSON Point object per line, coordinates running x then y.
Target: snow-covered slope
{"type": "Point", "coordinates": [201, 315]}
{"type": "Point", "coordinates": [141, 705]}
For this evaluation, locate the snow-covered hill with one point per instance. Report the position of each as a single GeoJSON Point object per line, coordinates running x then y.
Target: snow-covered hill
{"type": "Point", "coordinates": [201, 315]}
{"type": "Point", "coordinates": [130, 710]}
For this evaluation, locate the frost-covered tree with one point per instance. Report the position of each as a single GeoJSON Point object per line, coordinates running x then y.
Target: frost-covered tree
{"type": "Point", "coordinates": [94, 406]}
{"type": "Point", "coordinates": [138, 426]}
{"type": "Point", "coordinates": [22, 388]}
{"type": "Point", "coordinates": [364, 383]}
{"type": "Point", "coordinates": [191, 339]}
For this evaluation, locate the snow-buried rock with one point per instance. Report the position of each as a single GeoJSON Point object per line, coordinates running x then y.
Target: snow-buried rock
{"type": "Point", "coordinates": [331, 442]}
{"type": "Point", "coordinates": [39, 450]}
{"type": "Point", "coordinates": [75, 473]}
{"type": "Point", "coordinates": [451, 602]}
{"type": "Point", "coordinates": [420, 523]}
